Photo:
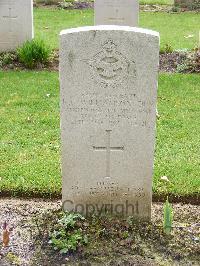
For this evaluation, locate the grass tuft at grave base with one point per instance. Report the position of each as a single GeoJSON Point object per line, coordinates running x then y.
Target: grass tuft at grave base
{"type": "Point", "coordinates": [30, 136]}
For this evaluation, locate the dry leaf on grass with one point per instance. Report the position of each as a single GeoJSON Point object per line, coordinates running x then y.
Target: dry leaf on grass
{"type": "Point", "coordinates": [164, 178]}
{"type": "Point", "coordinates": [6, 235]}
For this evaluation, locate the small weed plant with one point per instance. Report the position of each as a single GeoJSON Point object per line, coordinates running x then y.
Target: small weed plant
{"type": "Point", "coordinates": [166, 49]}
{"type": "Point", "coordinates": [68, 235]}
{"type": "Point", "coordinates": [34, 52]}
{"type": "Point", "coordinates": [168, 217]}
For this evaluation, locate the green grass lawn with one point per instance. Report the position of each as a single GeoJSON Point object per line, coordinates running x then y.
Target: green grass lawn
{"type": "Point", "coordinates": [29, 132]}
{"type": "Point", "coordinates": [30, 142]}
{"type": "Point", "coordinates": [174, 28]}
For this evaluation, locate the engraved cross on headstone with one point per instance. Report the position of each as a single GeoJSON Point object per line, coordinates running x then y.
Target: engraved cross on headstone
{"type": "Point", "coordinates": [108, 148]}
{"type": "Point", "coordinates": [10, 17]}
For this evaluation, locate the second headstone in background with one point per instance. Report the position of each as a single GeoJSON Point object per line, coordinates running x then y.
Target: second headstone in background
{"type": "Point", "coordinates": [16, 23]}
{"type": "Point", "coordinates": [116, 12]}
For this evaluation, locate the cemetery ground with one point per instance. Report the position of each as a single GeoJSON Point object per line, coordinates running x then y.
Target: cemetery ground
{"type": "Point", "coordinates": [101, 241]}
{"type": "Point", "coordinates": [30, 164]}
{"type": "Point", "coordinates": [31, 116]}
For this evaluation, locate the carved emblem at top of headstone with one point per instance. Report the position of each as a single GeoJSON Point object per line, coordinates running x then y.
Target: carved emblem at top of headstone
{"type": "Point", "coordinates": [109, 66]}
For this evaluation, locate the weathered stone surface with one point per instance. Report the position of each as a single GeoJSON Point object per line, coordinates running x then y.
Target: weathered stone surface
{"type": "Point", "coordinates": [16, 23]}
{"type": "Point", "coordinates": [116, 12]}
{"type": "Point", "coordinates": [108, 78]}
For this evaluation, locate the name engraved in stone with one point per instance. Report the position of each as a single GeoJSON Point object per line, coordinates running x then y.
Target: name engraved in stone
{"type": "Point", "coordinates": [112, 108]}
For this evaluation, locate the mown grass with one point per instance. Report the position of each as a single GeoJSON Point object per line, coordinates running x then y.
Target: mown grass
{"type": "Point", "coordinates": [30, 134]}
{"type": "Point", "coordinates": [180, 30]}
{"type": "Point", "coordinates": [178, 142]}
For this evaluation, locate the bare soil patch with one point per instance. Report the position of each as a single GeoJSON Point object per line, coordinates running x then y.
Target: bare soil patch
{"type": "Point", "coordinates": [119, 244]}
{"type": "Point", "coordinates": [170, 61]}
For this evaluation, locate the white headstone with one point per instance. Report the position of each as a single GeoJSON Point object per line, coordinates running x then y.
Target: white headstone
{"type": "Point", "coordinates": [108, 78]}
{"type": "Point", "coordinates": [16, 23]}
{"type": "Point", "coordinates": [116, 12]}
